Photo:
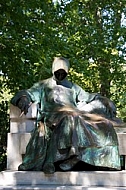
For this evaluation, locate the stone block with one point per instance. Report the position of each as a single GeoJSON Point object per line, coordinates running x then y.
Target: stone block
{"type": "Point", "coordinates": [24, 123]}
{"type": "Point", "coordinates": [85, 178]}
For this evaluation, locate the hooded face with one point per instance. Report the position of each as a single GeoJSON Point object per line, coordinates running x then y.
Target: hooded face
{"type": "Point", "coordinates": [60, 68]}
{"type": "Point", "coordinates": [60, 74]}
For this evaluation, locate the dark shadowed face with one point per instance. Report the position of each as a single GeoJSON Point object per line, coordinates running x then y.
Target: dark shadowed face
{"type": "Point", "coordinates": [60, 74]}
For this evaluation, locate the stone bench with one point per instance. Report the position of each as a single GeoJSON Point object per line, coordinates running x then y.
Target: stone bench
{"type": "Point", "coordinates": [20, 128]}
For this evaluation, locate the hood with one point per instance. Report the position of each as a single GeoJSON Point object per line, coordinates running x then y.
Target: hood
{"type": "Point", "coordinates": [60, 63]}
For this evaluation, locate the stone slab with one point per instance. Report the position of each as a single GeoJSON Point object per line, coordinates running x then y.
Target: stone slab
{"type": "Point", "coordinates": [85, 178]}
{"type": "Point", "coordinates": [25, 137]}
{"type": "Point", "coordinates": [21, 123]}
{"type": "Point", "coordinates": [57, 187]}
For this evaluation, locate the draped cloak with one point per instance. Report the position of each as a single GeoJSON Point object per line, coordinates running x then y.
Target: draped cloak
{"type": "Point", "coordinates": [69, 123]}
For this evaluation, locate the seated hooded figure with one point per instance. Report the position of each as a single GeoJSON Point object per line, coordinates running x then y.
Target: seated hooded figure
{"type": "Point", "coordinates": [72, 125]}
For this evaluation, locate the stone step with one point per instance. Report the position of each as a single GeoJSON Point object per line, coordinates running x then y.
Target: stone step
{"type": "Point", "coordinates": [57, 187]}
{"type": "Point", "coordinates": [81, 178]}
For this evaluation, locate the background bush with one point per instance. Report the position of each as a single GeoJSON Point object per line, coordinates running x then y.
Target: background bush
{"type": "Point", "coordinates": [4, 129]}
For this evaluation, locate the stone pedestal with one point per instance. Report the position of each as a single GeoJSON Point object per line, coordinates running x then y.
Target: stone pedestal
{"type": "Point", "coordinates": [89, 180]}
{"type": "Point", "coordinates": [20, 129]}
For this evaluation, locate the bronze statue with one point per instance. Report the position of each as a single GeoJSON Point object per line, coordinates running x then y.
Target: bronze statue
{"type": "Point", "coordinates": [72, 125]}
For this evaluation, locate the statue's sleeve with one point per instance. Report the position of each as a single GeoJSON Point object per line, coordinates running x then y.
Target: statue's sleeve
{"type": "Point", "coordinates": [95, 103]}
{"type": "Point", "coordinates": [33, 94]}
{"type": "Point", "coordinates": [82, 96]}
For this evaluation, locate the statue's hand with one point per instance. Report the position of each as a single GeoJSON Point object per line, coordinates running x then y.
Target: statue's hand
{"type": "Point", "coordinates": [110, 106]}
{"type": "Point", "coordinates": [23, 104]}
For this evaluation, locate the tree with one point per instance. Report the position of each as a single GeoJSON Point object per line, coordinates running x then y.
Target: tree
{"type": "Point", "coordinates": [89, 33]}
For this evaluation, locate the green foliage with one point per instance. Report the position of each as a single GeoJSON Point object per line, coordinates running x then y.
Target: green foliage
{"type": "Point", "coordinates": [4, 128]}
{"type": "Point", "coordinates": [34, 32]}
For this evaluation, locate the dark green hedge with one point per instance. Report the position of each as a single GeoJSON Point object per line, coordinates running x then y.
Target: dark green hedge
{"type": "Point", "coordinates": [4, 129]}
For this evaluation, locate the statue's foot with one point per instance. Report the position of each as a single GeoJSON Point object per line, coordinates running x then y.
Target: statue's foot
{"type": "Point", "coordinates": [48, 168]}
{"type": "Point", "coordinates": [21, 168]}
{"type": "Point", "coordinates": [69, 164]}
{"type": "Point", "coordinates": [24, 167]}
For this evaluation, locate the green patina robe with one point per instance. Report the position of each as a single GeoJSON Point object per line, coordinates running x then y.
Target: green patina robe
{"type": "Point", "coordinates": [63, 128]}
